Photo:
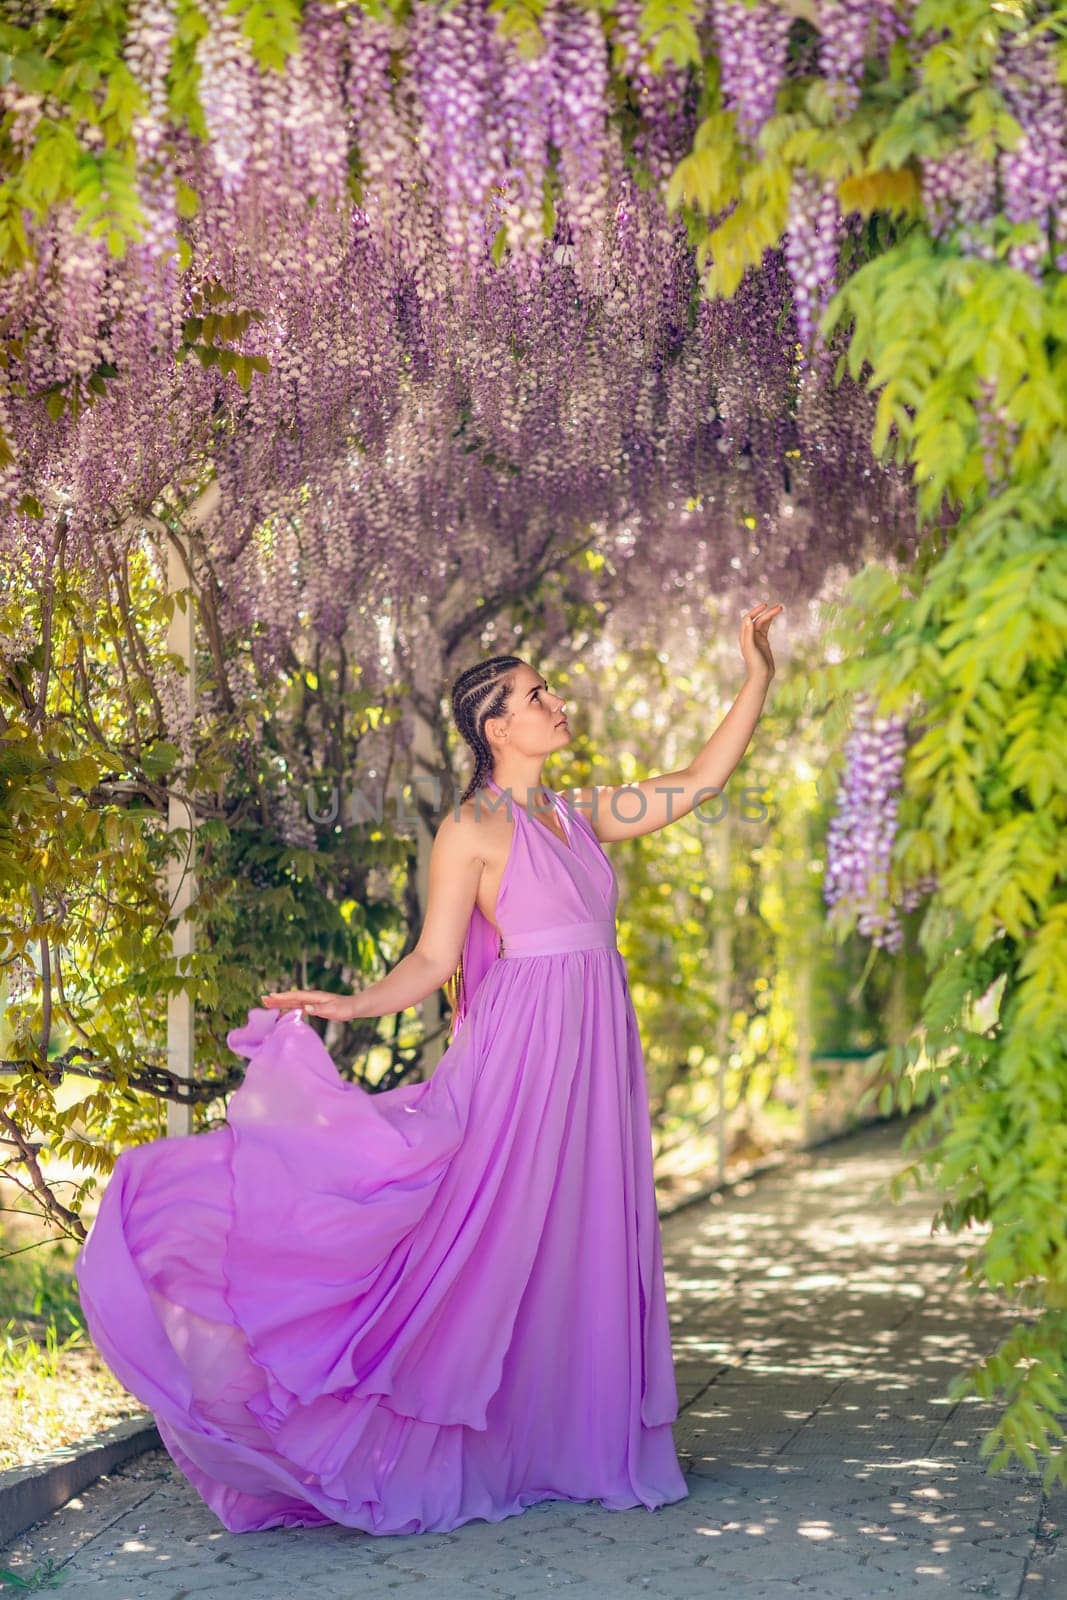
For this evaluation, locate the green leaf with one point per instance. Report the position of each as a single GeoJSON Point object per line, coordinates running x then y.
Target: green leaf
{"type": "Point", "coordinates": [187, 199]}
{"type": "Point", "coordinates": [160, 758]}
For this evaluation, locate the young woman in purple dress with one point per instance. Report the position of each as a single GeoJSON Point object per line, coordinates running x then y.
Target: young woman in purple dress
{"type": "Point", "coordinates": [401, 1311]}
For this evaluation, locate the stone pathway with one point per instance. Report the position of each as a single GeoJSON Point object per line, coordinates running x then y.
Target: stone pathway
{"type": "Point", "coordinates": [817, 1326]}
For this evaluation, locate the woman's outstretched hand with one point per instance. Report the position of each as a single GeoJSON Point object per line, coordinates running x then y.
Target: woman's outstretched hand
{"type": "Point", "coordinates": [755, 645]}
{"type": "Point", "coordinates": [316, 1002]}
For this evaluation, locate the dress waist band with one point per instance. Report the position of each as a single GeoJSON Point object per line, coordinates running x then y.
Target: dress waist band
{"type": "Point", "coordinates": [558, 941]}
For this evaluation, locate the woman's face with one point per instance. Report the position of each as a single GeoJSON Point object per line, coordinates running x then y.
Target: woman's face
{"type": "Point", "coordinates": [536, 723]}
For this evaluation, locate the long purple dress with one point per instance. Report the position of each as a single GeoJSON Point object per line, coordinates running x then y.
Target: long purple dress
{"type": "Point", "coordinates": [405, 1310]}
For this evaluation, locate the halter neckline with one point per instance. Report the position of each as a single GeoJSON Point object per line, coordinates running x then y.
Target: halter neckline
{"type": "Point", "coordinates": [567, 842]}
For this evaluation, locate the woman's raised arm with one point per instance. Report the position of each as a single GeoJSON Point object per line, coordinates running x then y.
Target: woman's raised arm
{"type": "Point", "coordinates": [624, 811]}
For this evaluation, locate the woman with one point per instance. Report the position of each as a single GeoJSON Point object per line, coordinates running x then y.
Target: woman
{"type": "Point", "coordinates": [406, 1310]}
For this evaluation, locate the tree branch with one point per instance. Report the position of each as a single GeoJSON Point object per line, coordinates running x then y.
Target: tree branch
{"type": "Point", "coordinates": [55, 1209]}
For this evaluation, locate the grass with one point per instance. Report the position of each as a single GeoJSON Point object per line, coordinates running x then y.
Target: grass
{"type": "Point", "coordinates": [49, 1576]}
{"type": "Point", "coordinates": [54, 1387]}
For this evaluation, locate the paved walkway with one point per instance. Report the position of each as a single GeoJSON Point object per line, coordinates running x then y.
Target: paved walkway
{"type": "Point", "coordinates": [816, 1329]}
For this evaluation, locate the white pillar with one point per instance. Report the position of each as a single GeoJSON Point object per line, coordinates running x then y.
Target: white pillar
{"type": "Point", "coordinates": [723, 957]}
{"type": "Point", "coordinates": [180, 880]}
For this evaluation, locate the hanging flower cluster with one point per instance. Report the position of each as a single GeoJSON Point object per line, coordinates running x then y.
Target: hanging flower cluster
{"type": "Point", "coordinates": [860, 837]}
{"type": "Point", "coordinates": [969, 198]}
{"type": "Point", "coordinates": [849, 32]}
{"type": "Point", "coordinates": [811, 248]}
{"type": "Point", "coordinates": [664, 98]}
{"type": "Point", "coordinates": [1033, 175]}
{"type": "Point", "coordinates": [751, 43]}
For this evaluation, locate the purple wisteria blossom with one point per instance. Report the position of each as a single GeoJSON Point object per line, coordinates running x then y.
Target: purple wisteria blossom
{"type": "Point", "coordinates": [439, 315]}
{"type": "Point", "coordinates": [811, 246]}
{"type": "Point", "coordinates": [860, 838]}
{"type": "Point", "coordinates": [751, 42]}
{"type": "Point", "coordinates": [1033, 175]}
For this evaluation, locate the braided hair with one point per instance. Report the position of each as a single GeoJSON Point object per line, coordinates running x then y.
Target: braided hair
{"type": "Point", "coordinates": [480, 691]}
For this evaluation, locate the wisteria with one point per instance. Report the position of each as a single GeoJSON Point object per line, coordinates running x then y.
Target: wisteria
{"type": "Point", "coordinates": [751, 42]}
{"type": "Point", "coordinates": [969, 199]}
{"type": "Point", "coordinates": [227, 95]}
{"type": "Point", "coordinates": [860, 837]}
{"type": "Point", "coordinates": [453, 68]}
{"type": "Point", "coordinates": [423, 331]}
{"type": "Point", "coordinates": [438, 306]}
{"type": "Point", "coordinates": [525, 101]}
{"type": "Point", "coordinates": [959, 198]}
{"type": "Point", "coordinates": [811, 247]}
{"type": "Point", "coordinates": [665, 97]}
{"type": "Point", "coordinates": [845, 29]}
{"type": "Point", "coordinates": [475, 331]}
{"type": "Point", "coordinates": [579, 129]}
{"type": "Point", "coordinates": [1033, 175]}
{"type": "Point", "coordinates": [147, 54]}
{"type": "Point", "coordinates": [850, 31]}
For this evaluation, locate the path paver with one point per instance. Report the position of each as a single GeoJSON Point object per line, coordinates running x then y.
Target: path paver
{"type": "Point", "coordinates": [816, 1326]}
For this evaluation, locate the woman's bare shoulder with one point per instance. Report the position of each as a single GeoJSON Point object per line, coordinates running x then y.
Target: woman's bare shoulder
{"type": "Point", "coordinates": [469, 831]}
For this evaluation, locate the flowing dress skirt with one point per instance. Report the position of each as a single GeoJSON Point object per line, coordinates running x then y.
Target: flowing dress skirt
{"type": "Point", "coordinates": [405, 1310]}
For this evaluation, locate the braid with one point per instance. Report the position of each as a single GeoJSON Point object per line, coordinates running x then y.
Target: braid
{"type": "Point", "coordinates": [479, 692]}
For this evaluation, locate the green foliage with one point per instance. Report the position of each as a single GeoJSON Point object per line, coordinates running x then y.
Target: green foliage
{"type": "Point", "coordinates": [83, 150]}
{"type": "Point", "coordinates": [520, 20]}
{"type": "Point", "coordinates": [213, 325]}
{"type": "Point", "coordinates": [968, 358]}
{"type": "Point", "coordinates": [48, 1576]}
{"type": "Point", "coordinates": [941, 337]}
{"type": "Point", "coordinates": [670, 28]}
{"type": "Point", "coordinates": [86, 773]}
{"type": "Point", "coordinates": [978, 634]}
{"type": "Point", "coordinates": [36, 1285]}
{"type": "Point", "coordinates": [54, 1387]}
{"type": "Point", "coordinates": [72, 55]}
{"type": "Point", "coordinates": [272, 27]}
{"type": "Point", "coordinates": [81, 852]}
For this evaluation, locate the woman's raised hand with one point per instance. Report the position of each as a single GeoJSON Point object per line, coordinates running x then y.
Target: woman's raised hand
{"type": "Point", "coordinates": [755, 645]}
{"type": "Point", "coordinates": [316, 1002]}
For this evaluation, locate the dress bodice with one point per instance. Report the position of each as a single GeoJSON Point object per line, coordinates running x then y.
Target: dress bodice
{"type": "Point", "coordinates": [548, 885]}
{"type": "Point", "coordinates": [553, 897]}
